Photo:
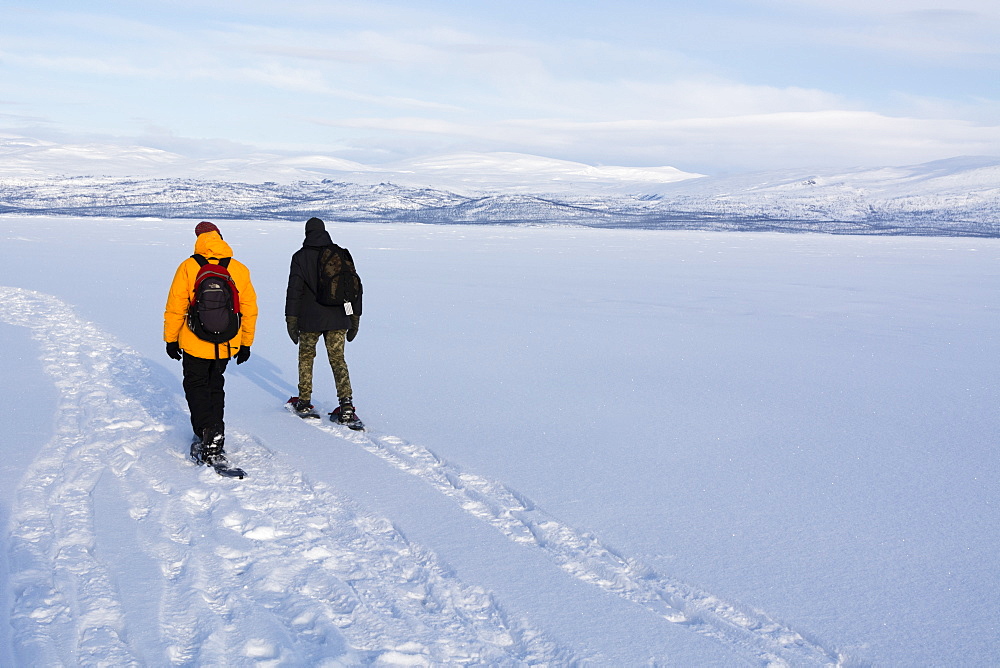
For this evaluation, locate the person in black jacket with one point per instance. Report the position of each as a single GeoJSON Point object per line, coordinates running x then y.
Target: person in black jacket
{"type": "Point", "coordinates": [307, 320]}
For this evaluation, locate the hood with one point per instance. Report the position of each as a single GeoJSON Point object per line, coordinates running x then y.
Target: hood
{"type": "Point", "coordinates": [317, 238]}
{"type": "Point", "coordinates": [210, 244]}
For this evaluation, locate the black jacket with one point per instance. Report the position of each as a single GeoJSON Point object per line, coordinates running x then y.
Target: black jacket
{"type": "Point", "coordinates": [300, 298]}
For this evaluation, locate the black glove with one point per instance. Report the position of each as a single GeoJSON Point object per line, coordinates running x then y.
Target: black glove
{"type": "Point", "coordinates": [293, 328]}
{"type": "Point", "coordinates": [353, 331]}
{"type": "Point", "coordinates": [173, 350]}
{"type": "Point", "coordinates": [243, 354]}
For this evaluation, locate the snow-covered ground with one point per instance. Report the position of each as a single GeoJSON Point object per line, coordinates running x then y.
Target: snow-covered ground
{"type": "Point", "coordinates": [605, 446]}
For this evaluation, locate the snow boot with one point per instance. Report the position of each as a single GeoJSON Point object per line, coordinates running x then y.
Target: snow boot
{"type": "Point", "coordinates": [302, 408]}
{"type": "Point", "coordinates": [212, 441]}
{"type": "Point", "coordinates": [345, 415]}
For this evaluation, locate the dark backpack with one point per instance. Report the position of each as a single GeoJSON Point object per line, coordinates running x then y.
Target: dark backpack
{"type": "Point", "coordinates": [214, 314]}
{"type": "Point", "coordinates": [338, 281]}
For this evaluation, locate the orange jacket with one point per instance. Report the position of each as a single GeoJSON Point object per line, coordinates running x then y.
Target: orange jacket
{"type": "Point", "coordinates": [175, 328]}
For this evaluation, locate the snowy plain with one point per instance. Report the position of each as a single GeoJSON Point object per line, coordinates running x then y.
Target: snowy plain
{"type": "Point", "coordinates": [606, 447]}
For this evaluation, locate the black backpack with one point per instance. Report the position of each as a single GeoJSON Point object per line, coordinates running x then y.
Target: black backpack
{"type": "Point", "coordinates": [338, 282]}
{"type": "Point", "coordinates": [214, 314]}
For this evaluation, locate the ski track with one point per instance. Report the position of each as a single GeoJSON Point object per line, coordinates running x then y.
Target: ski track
{"type": "Point", "coordinates": [750, 633]}
{"type": "Point", "coordinates": [266, 571]}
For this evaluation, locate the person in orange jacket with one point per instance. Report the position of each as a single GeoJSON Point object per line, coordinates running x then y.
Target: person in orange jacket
{"type": "Point", "coordinates": [204, 362]}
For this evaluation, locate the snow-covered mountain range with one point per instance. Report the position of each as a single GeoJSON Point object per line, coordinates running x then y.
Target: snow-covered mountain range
{"type": "Point", "coordinates": [960, 196]}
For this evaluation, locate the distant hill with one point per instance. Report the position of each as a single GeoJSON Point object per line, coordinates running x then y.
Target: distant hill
{"type": "Point", "coordinates": [960, 196]}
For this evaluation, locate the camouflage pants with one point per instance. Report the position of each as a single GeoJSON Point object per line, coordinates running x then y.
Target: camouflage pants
{"type": "Point", "coordinates": [334, 351]}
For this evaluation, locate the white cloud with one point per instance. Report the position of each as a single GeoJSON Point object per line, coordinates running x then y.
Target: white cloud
{"type": "Point", "coordinates": [974, 109]}
{"type": "Point", "coordinates": [388, 83]}
{"type": "Point", "coordinates": [76, 64]}
{"type": "Point", "coordinates": [799, 139]}
{"type": "Point", "coordinates": [893, 7]}
{"type": "Point", "coordinates": [923, 29]}
{"type": "Point", "coordinates": [827, 138]}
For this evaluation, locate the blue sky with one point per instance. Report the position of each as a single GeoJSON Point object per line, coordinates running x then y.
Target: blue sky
{"type": "Point", "coordinates": [709, 86]}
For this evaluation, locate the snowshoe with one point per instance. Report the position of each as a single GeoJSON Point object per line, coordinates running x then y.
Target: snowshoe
{"type": "Point", "coordinates": [301, 407]}
{"type": "Point", "coordinates": [210, 451]}
{"type": "Point", "coordinates": [345, 415]}
{"type": "Point", "coordinates": [196, 451]}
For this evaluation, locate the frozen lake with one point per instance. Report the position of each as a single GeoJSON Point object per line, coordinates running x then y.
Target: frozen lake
{"type": "Point", "coordinates": [615, 446]}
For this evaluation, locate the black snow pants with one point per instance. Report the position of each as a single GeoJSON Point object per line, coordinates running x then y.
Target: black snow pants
{"type": "Point", "coordinates": [204, 389]}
